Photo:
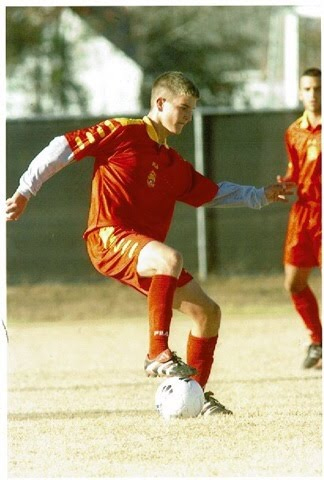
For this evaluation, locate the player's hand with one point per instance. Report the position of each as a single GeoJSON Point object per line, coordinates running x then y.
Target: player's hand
{"type": "Point", "coordinates": [279, 191]}
{"type": "Point", "coordinates": [15, 206]}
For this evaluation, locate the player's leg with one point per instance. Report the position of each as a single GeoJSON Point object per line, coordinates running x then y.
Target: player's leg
{"type": "Point", "coordinates": [152, 269]}
{"type": "Point", "coordinates": [305, 302]}
{"type": "Point", "coordinates": [205, 314]}
{"type": "Point", "coordinates": [163, 265]}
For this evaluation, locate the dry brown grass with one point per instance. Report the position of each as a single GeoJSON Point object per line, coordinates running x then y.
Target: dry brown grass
{"type": "Point", "coordinates": [80, 406]}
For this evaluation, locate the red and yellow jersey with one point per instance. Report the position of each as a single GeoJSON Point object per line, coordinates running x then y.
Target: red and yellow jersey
{"type": "Point", "coordinates": [304, 150]}
{"type": "Point", "coordinates": [136, 181]}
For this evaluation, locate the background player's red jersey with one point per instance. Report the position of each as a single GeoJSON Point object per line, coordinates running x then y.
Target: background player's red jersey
{"type": "Point", "coordinates": [303, 239]}
{"type": "Point", "coordinates": [304, 150]}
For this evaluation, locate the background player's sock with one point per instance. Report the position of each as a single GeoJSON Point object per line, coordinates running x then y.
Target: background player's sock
{"type": "Point", "coordinates": [160, 300]}
{"type": "Point", "coordinates": [200, 355]}
{"type": "Point", "coordinates": [306, 305]}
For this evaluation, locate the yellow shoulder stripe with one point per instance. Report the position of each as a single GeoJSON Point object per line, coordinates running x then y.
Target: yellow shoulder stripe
{"type": "Point", "coordinates": [129, 121]}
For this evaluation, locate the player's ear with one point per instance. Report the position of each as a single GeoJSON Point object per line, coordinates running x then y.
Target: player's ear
{"type": "Point", "coordinates": [159, 103]}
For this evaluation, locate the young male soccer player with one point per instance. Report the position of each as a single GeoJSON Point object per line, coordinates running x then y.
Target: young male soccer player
{"type": "Point", "coordinates": [137, 180]}
{"type": "Point", "coordinates": [304, 232]}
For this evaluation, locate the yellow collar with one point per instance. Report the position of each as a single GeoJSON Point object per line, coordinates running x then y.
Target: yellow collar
{"type": "Point", "coordinates": [152, 132]}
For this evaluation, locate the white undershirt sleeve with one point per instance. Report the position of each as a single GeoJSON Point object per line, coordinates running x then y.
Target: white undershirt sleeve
{"type": "Point", "coordinates": [233, 195]}
{"type": "Point", "coordinates": [49, 161]}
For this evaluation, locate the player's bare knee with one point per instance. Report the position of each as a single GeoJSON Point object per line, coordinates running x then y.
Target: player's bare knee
{"type": "Point", "coordinates": [173, 262]}
{"type": "Point", "coordinates": [158, 259]}
{"type": "Point", "coordinates": [210, 318]}
{"type": "Point", "coordinates": [216, 315]}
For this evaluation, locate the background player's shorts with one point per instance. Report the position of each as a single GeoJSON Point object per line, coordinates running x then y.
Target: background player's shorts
{"type": "Point", "coordinates": [303, 246]}
{"type": "Point", "coordinates": [114, 253]}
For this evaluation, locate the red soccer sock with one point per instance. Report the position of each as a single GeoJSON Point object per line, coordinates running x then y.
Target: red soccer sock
{"type": "Point", "coordinates": [200, 355]}
{"type": "Point", "coordinates": [306, 305]}
{"type": "Point", "coordinates": [160, 300]}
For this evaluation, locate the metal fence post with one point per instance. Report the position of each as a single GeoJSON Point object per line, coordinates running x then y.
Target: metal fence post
{"type": "Point", "coordinates": [201, 213]}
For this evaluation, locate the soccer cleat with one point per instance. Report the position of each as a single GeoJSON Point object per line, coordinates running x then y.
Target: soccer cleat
{"type": "Point", "coordinates": [167, 364]}
{"type": "Point", "coordinates": [213, 407]}
{"type": "Point", "coordinates": [314, 355]}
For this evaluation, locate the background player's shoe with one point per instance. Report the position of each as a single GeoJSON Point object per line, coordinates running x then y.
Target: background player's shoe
{"type": "Point", "coordinates": [314, 355]}
{"type": "Point", "coordinates": [213, 406]}
{"type": "Point", "coordinates": [167, 364]}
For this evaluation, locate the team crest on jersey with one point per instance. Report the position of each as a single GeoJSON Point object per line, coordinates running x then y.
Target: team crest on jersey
{"type": "Point", "coordinates": [151, 178]}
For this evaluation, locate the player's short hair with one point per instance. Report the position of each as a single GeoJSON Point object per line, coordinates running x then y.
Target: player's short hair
{"type": "Point", "coordinates": [312, 72]}
{"type": "Point", "coordinates": [174, 83]}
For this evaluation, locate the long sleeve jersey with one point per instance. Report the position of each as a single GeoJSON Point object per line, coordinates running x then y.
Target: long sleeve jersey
{"type": "Point", "coordinates": [136, 181]}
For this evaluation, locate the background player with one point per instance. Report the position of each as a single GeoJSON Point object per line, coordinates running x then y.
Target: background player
{"type": "Point", "coordinates": [136, 182]}
{"type": "Point", "coordinates": [302, 249]}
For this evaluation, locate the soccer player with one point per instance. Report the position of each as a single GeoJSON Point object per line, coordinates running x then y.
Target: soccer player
{"type": "Point", "coordinates": [137, 180]}
{"type": "Point", "coordinates": [302, 251]}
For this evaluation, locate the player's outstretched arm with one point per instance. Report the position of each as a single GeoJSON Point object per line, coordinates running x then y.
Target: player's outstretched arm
{"type": "Point", "coordinates": [15, 206]}
{"type": "Point", "coordinates": [49, 161]}
{"type": "Point", "coordinates": [234, 195]}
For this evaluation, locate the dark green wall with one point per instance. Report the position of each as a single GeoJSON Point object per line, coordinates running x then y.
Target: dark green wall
{"type": "Point", "coordinates": [46, 243]}
{"type": "Point", "coordinates": [247, 148]}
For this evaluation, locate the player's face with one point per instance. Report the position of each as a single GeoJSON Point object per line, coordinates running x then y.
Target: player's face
{"type": "Point", "coordinates": [177, 112]}
{"type": "Point", "coordinates": [310, 93]}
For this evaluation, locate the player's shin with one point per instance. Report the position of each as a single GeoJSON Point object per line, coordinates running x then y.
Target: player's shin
{"type": "Point", "coordinates": [306, 305]}
{"type": "Point", "coordinates": [160, 299]}
{"type": "Point", "coordinates": [200, 354]}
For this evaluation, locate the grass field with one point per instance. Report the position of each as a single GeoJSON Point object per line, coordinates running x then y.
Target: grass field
{"type": "Point", "coordinates": [79, 404]}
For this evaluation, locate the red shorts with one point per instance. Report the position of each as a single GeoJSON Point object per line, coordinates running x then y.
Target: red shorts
{"type": "Point", "coordinates": [303, 246]}
{"type": "Point", "coordinates": [114, 253]}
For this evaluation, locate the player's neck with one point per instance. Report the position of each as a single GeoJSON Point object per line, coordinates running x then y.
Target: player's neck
{"type": "Point", "coordinates": [162, 133]}
{"type": "Point", "coordinates": [314, 118]}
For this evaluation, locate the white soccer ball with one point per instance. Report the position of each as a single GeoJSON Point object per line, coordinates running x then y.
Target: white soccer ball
{"type": "Point", "coordinates": [179, 398]}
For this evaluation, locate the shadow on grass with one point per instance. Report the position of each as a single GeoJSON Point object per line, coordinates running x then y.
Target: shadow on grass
{"type": "Point", "coordinates": [145, 383]}
{"type": "Point", "coordinates": [273, 379]}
